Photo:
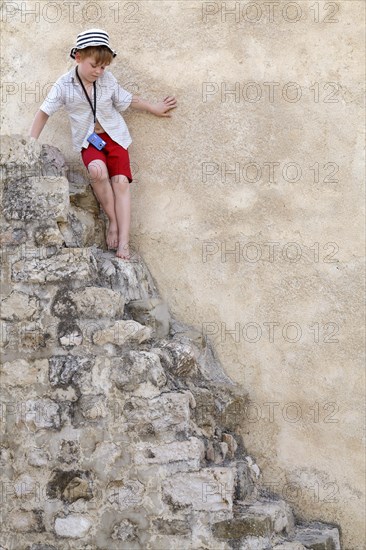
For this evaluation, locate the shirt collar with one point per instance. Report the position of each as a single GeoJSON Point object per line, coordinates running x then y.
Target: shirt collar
{"type": "Point", "coordinates": [72, 76]}
{"type": "Point", "coordinates": [74, 79]}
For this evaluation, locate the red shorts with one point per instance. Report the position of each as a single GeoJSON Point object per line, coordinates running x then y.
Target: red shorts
{"type": "Point", "coordinates": [113, 155]}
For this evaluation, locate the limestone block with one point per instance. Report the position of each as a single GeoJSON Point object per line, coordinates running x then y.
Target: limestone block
{"type": "Point", "coordinates": [23, 373]}
{"type": "Point", "coordinates": [79, 229]}
{"type": "Point", "coordinates": [137, 368]}
{"type": "Point", "coordinates": [101, 375]}
{"type": "Point", "coordinates": [83, 197]}
{"type": "Point", "coordinates": [262, 518]}
{"type": "Point", "coordinates": [191, 452]}
{"type": "Point", "coordinates": [278, 511]}
{"type": "Point", "coordinates": [160, 417]}
{"type": "Point", "coordinates": [255, 543]}
{"type": "Point", "coordinates": [29, 335]}
{"type": "Point", "coordinates": [89, 408]}
{"type": "Point", "coordinates": [37, 414]}
{"type": "Point", "coordinates": [106, 521]}
{"type": "Point", "coordinates": [6, 460]}
{"type": "Point", "coordinates": [25, 487]}
{"type": "Point", "coordinates": [170, 541]}
{"type": "Point", "coordinates": [164, 356]}
{"type": "Point", "coordinates": [77, 488]}
{"type": "Point", "coordinates": [5, 334]}
{"type": "Point", "coordinates": [220, 408]}
{"type": "Point", "coordinates": [48, 235]}
{"type": "Point", "coordinates": [19, 152]}
{"type": "Point", "coordinates": [42, 547]}
{"type": "Point", "coordinates": [131, 279]}
{"type": "Point", "coordinates": [184, 358]}
{"type": "Point", "coordinates": [95, 302]}
{"type": "Point", "coordinates": [125, 493]}
{"type": "Point", "coordinates": [121, 332]}
{"type": "Point", "coordinates": [172, 526]}
{"type": "Point", "coordinates": [38, 457]}
{"type": "Point", "coordinates": [23, 157]}
{"type": "Point", "coordinates": [210, 489]}
{"type": "Point", "coordinates": [245, 526]}
{"type": "Point", "coordinates": [25, 521]}
{"type": "Point", "coordinates": [289, 546]}
{"type": "Point", "coordinates": [245, 482]}
{"type": "Point", "coordinates": [52, 161]}
{"type": "Point", "coordinates": [11, 235]}
{"type": "Point", "coordinates": [125, 530]}
{"type": "Point", "coordinates": [67, 264]}
{"type": "Point", "coordinates": [36, 199]}
{"type": "Point", "coordinates": [103, 457]}
{"type": "Point", "coordinates": [318, 536]}
{"type": "Point", "coordinates": [64, 369]}
{"type": "Point", "coordinates": [69, 451]}
{"type": "Point", "coordinates": [19, 306]}
{"type": "Point", "coordinates": [152, 312]}
{"type": "Point", "coordinates": [70, 485]}
{"type": "Point", "coordinates": [73, 526]}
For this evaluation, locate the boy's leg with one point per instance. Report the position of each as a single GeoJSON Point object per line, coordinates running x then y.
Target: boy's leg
{"type": "Point", "coordinates": [104, 193]}
{"type": "Point", "coordinates": [122, 206]}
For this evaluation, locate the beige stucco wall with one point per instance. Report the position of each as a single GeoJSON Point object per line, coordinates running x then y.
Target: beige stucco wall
{"type": "Point", "coordinates": [305, 423]}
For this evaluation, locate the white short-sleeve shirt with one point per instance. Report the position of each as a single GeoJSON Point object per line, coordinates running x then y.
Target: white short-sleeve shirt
{"type": "Point", "coordinates": [111, 98]}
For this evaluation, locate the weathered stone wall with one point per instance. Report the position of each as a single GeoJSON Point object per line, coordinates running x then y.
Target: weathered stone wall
{"type": "Point", "coordinates": [305, 380]}
{"type": "Point", "coordinates": [120, 430]}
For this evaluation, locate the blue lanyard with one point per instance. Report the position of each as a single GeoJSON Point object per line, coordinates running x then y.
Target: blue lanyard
{"type": "Point", "coordinates": [87, 96]}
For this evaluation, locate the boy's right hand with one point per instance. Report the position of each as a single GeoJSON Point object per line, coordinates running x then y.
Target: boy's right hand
{"type": "Point", "coordinates": [162, 108]}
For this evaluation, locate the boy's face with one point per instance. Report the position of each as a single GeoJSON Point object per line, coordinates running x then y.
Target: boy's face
{"type": "Point", "coordinates": [88, 68]}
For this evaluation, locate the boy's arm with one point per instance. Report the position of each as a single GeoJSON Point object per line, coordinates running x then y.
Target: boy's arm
{"type": "Point", "coordinates": [122, 99]}
{"type": "Point", "coordinates": [159, 109]}
{"type": "Point", "coordinates": [56, 98]}
{"type": "Point", "coordinates": [38, 124]}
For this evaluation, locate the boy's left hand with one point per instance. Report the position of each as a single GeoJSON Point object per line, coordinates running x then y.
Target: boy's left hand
{"type": "Point", "coordinates": [162, 108]}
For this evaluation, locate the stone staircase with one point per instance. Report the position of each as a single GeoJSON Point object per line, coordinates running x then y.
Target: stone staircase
{"type": "Point", "coordinates": [120, 430]}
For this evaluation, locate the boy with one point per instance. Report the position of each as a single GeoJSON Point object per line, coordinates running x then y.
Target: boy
{"type": "Point", "coordinates": [92, 98]}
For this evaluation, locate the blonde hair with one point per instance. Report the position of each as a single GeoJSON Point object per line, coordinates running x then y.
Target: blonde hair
{"type": "Point", "coordinates": [101, 54]}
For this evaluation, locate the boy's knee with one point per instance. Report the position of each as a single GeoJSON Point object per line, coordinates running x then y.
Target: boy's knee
{"type": "Point", "coordinates": [97, 171]}
{"type": "Point", "coordinates": [120, 183]}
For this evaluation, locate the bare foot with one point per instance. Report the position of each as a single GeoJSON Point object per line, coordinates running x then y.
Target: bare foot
{"type": "Point", "coordinates": [112, 235]}
{"type": "Point", "coordinates": [123, 251]}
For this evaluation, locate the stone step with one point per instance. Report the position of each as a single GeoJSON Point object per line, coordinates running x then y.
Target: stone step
{"type": "Point", "coordinates": [152, 312]}
{"type": "Point", "coordinates": [207, 490]}
{"type": "Point", "coordinates": [65, 265]}
{"type": "Point", "coordinates": [289, 546]}
{"type": "Point", "coordinates": [191, 355]}
{"type": "Point", "coordinates": [177, 455]}
{"type": "Point", "coordinates": [260, 519]}
{"type": "Point", "coordinates": [54, 264]}
{"type": "Point", "coordinates": [318, 536]}
{"type": "Point", "coordinates": [132, 279]}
